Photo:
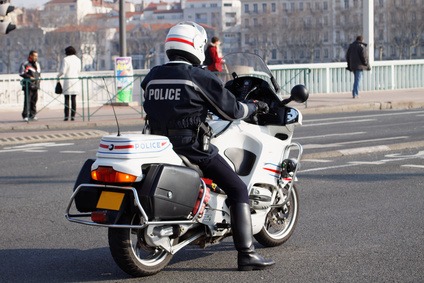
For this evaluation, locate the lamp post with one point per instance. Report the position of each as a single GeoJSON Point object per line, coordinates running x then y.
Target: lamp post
{"type": "Point", "coordinates": [122, 30]}
{"type": "Point", "coordinates": [368, 23]}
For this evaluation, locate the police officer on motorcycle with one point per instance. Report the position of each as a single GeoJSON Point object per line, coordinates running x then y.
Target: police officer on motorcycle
{"type": "Point", "coordinates": [177, 98]}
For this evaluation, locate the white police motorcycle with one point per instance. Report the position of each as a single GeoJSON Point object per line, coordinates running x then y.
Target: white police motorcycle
{"type": "Point", "coordinates": [154, 202]}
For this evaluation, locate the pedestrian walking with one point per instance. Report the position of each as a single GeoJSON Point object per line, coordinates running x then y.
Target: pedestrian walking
{"type": "Point", "coordinates": [357, 62]}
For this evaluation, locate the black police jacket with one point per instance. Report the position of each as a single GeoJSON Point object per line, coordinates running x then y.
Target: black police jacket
{"type": "Point", "coordinates": [178, 95]}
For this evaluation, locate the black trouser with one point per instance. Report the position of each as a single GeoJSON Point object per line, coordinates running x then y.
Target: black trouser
{"type": "Point", "coordinates": [73, 105]}
{"type": "Point", "coordinates": [222, 174]}
{"type": "Point", "coordinates": [30, 103]}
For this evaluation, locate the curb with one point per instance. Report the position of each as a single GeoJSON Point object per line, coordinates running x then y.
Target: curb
{"type": "Point", "coordinates": [51, 136]}
{"type": "Point", "coordinates": [67, 125]}
{"type": "Point", "coordinates": [388, 105]}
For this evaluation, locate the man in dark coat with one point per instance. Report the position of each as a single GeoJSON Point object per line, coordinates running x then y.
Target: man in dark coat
{"type": "Point", "coordinates": [31, 72]}
{"type": "Point", "coordinates": [357, 61]}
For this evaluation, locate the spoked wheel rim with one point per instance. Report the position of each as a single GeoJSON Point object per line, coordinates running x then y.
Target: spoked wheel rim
{"type": "Point", "coordinates": [280, 220]}
{"type": "Point", "coordinates": [146, 255]}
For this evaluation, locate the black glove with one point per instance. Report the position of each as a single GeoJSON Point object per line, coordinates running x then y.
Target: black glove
{"type": "Point", "coordinates": [261, 107]}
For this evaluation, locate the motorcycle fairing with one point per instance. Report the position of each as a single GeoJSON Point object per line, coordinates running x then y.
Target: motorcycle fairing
{"type": "Point", "coordinates": [243, 160]}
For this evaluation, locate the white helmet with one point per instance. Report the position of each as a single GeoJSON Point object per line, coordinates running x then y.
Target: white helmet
{"type": "Point", "coordinates": [188, 40]}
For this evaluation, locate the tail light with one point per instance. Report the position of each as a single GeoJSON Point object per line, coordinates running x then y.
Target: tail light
{"type": "Point", "coordinates": [109, 175]}
{"type": "Point", "coordinates": [99, 216]}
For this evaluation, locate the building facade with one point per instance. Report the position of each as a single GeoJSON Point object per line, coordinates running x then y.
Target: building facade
{"type": "Point", "coordinates": [281, 31]}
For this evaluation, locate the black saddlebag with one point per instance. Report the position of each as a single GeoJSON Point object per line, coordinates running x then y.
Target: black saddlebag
{"type": "Point", "coordinates": [87, 197]}
{"type": "Point", "coordinates": [169, 192]}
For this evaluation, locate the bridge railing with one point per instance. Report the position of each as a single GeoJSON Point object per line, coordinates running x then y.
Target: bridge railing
{"type": "Point", "coordinates": [333, 77]}
{"type": "Point", "coordinates": [99, 87]}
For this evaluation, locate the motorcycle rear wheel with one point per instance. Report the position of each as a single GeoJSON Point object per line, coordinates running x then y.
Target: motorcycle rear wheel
{"type": "Point", "coordinates": [132, 254]}
{"type": "Point", "coordinates": [280, 222]}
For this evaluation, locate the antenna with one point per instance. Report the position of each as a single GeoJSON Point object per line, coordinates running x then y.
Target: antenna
{"type": "Point", "coordinates": [113, 107]}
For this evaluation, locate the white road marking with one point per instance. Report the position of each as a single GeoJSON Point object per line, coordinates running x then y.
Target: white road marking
{"type": "Point", "coordinates": [417, 113]}
{"type": "Point", "coordinates": [318, 160]}
{"type": "Point", "coordinates": [327, 168]}
{"type": "Point", "coordinates": [366, 162]}
{"type": "Point", "coordinates": [35, 147]}
{"type": "Point", "coordinates": [311, 146]}
{"type": "Point", "coordinates": [397, 157]}
{"type": "Point", "coordinates": [337, 122]}
{"type": "Point", "coordinates": [412, 166]}
{"type": "Point", "coordinates": [361, 150]}
{"type": "Point", "coordinates": [330, 135]}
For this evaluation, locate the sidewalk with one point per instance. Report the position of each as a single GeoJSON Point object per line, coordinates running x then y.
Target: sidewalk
{"type": "Point", "coordinates": [51, 120]}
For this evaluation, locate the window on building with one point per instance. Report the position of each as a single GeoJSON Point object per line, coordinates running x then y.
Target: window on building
{"type": "Point", "coordinates": [246, 22]}
{"type": "Point", "coordinates": [264, 7]}
{"type": "Point", "coordinates": [317, 6]}
{"type": "Point", "coordinates": [273, 7]}
{"type": "Point", "coordinates": [381, 34]}
{"type": "Point", "coordinates": [255, 8]}
{"type": "Point", "coordinates": [413, 16]}
{"type": "Point", "coordinates": [414, 51]}
{"type": "Point", "coordinates": [326, 53]}
{"type": "Point", "coordinates": [308, 22]}
{"type": "Point", "coordinates": [326, 37]}
{"type": "Point", "coordinates": [301, 6]}
{"type": "Point", "coordinates": [228, 5]}
{"type": "Point", "coordinates": [246, 8]}
{"type": "Point", "coordinates": [346, 4]}
{"type": "Point", "coordinates": [393, 51]}
{"type": "Point", "coordinates": [274, 54]}
{"type": "Point", "coordinates": [325, 6]}
{"type": "Point", "coordinates": [214, 5]}
{"type": "Point", "coordinates": [317, 54]}
{"type": "Point", "coordinates": [285, 7]}
{"type": "Point", "coordinates": [255, 22]}
{"type": "Point", "coordinates": [292, 7]}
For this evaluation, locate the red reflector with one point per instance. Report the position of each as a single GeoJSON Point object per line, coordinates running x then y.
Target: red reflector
{"type": "Point", "coordinates": [99, 216]}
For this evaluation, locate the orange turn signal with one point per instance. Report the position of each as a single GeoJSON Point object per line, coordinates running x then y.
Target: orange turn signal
{"type": "Point", "coordinates": [109, 175]}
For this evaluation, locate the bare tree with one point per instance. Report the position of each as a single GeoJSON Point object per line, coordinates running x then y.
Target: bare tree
{"type": "Point", "coordinates": [144, 39]}
{"type": "Point", "coordinates": [16, 45]}
{"type": "Point", "coordinates": [405, 26]}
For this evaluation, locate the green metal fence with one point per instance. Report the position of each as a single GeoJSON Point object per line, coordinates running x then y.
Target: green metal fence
{"type": "Point", "coordinates": [96, 93]}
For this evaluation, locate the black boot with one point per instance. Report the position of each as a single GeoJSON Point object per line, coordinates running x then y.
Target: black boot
{"type": "Point", "coordinates": [241, 226]}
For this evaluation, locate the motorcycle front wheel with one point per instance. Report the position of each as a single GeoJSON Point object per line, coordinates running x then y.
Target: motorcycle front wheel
{"type": "Point", "coordinates": [280, 221]}
{"type": "Point", "coordinates": [132, 254]}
